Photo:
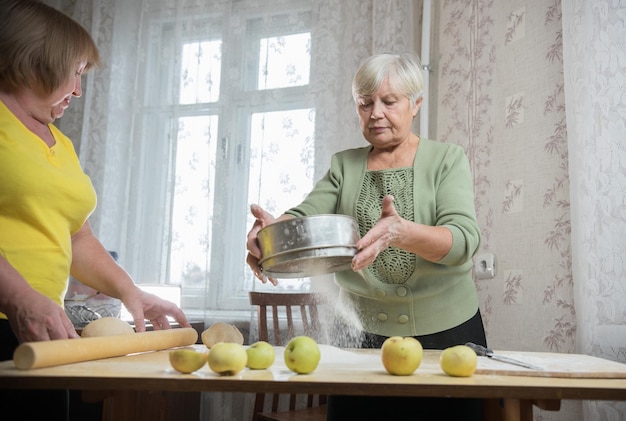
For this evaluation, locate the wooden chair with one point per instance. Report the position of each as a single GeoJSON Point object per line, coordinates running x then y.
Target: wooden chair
{"type": "Point", "coordinates": [307, 303]}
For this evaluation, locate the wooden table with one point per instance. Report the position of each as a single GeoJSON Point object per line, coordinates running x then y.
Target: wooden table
{"type": "Point", "coordinates": [349, 372]}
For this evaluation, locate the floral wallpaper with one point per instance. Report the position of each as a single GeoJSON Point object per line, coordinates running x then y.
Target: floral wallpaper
{"type": "Point", "coordinates": [502, 99]}
{"type": "Point", "coordinates": [543, 127]}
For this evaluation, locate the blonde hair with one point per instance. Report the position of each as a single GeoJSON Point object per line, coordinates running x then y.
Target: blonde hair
{"type": "Point", "coordinates": [40, 47]}
{"type": "Point", "coordinates": [404, 71]}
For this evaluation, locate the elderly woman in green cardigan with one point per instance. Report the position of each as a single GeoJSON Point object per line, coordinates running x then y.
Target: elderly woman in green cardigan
{"type": "Point", "coordinates": [414, 203]}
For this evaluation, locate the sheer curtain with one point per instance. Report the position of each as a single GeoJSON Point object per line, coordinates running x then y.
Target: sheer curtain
{"type": "Point", "coordinates": [118, 152]}
{"type": "Point", "coordinates": [132, 170]}
{"type": "Point", "coordinates": [594, 46]}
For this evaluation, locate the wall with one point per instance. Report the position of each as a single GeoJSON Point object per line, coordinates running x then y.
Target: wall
{"type": "Point", "coordinates": [500, 88]}
{"type": "Point", "coordinates": [501, 97]}
{"type": "Point", "coordinates": [502, 84]}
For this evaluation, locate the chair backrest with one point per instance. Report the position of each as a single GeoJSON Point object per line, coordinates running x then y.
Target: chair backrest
{"type": "Point", "coordinates": [306, 302]}
{"type": "Point", "coordinates": [276, 334]}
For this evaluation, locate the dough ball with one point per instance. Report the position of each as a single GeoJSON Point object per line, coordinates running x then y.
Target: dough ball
{"type": "Point", "coordinates": [107, 326]}
{"type": "Point", "coordinates": [221, 332]}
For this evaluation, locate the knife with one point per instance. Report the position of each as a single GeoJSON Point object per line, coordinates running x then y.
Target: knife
{"type": "Point", "coordinates": [488, 352]}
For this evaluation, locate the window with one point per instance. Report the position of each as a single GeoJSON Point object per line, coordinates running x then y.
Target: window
{"type": "Point", "coordinates": [234, 119]}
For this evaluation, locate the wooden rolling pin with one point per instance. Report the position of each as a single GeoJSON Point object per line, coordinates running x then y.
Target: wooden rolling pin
{"type": "Point", "coordinates": [66, 351]}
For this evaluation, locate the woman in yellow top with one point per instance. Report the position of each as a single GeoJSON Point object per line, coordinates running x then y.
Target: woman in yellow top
{"type": "Point", "coordinates": [45, 197]}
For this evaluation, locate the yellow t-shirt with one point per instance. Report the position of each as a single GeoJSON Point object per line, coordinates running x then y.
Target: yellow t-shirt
{"type": "Point", "coordinates": [45, 197]}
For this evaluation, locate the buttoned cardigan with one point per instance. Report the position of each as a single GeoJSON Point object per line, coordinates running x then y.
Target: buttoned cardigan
{"type": "Point", "coordinates": [437, 295]}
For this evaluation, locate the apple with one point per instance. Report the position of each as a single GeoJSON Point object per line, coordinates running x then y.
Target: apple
{"type": "Point", "coordinates": [260, 355]}
{"type": "Point", "coordinates": [227, 358]}
{"type": "Point", "coordinates": [401, 355]}
{"type": "Point", "coordinates": [302, 354]}
{"type": "Point", "coordinates": [458, 361]}
{"type": "Point", "coordinates": [187, 360]}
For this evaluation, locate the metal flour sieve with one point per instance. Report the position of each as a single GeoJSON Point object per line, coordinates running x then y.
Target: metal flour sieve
{"type": "Point", "coordinates": [308, 246]}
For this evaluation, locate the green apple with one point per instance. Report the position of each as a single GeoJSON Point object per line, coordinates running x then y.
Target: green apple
{"type": "Point", "coordinates": [187, 360]}
{"type": "Point", "coordinates": [401, 355]}
{"type": "Point", "coordinates": [260, 355]}
{"type": "Point", "coordinates": [227, 358]}
{"type": "Point", "coordinates": [302, 354]}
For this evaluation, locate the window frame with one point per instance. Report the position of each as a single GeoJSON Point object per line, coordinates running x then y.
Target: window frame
{"type": "Point", "coordinates": [226, 290]}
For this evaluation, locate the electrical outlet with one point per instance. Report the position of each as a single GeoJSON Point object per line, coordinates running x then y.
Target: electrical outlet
{"type": "Point", "coordinates": [485, 266]}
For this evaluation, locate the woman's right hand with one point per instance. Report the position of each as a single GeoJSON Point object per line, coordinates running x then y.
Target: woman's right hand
{"type": "Point", "coordinates": [33, 316]}
{"type": "Point", "coordinates": [263, 219]}
{"type": "Point", "coordinates": [38, 318]}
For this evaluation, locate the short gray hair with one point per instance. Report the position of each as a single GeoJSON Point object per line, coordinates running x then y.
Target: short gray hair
{"type": "Point", "coordinates": [404, 71]}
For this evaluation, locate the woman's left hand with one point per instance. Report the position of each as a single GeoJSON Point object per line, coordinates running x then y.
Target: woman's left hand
{"type": "Point", "coordinates": [145, 306]}
{"type": "Point", "coordinates": [382, 235]}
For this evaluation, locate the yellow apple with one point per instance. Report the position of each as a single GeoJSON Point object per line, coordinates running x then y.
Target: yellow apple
{"type": "Point", "coordinates": [227, 358]}
{"type": "Point", "coordinates": [401, 355]}
{"type": "Point", "coordinates": [458, 361]}
{"type": "Point", "coordinates": [302, 355]}
{"type": "Point", "coordinates": [187, 360]}
{"type": "Point", "coordinates": [260, 355]}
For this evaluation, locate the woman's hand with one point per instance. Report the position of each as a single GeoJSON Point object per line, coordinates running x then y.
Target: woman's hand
{"type": "Point", "coordinates": [93, 265]}
{"type": "Point", "coordinates": [145, 306]}
{"type": "Point", "coordinates": [383, 234]}
{"type": "Point", "coordinates": [263, 219]}
{"type": "Point", "coordinates": [431, 243]}
{"type": "Point", "coordinates": [32, 316]}
{"type": "Point", "coordinates": [35, 318]}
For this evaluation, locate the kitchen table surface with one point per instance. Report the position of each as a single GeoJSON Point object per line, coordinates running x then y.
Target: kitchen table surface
{"type": "Point", "coordinates": [350, 372]}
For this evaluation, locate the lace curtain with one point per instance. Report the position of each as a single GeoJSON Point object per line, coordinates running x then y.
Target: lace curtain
{"type": "Point", "coordinates": [594, 46]}
{"type": "Point", "coordinates": [101, 123]}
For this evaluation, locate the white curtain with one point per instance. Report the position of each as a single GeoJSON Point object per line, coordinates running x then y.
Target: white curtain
{"type": "Point", "coordinates": [594, 47]}
{"type": "Point", "coordinates": [102, 126]}
{"type": "Point", "coordinates": [101, 123]}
